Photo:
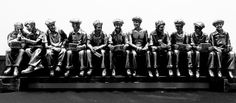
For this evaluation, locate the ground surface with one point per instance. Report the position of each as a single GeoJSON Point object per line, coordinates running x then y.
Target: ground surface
{"type": "Point", "coordinates": [118, 97]}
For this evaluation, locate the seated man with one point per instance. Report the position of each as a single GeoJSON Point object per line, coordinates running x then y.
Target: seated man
{"type": "Point", "coordinates": [138, 41]}
{"type": "Point", "coordinates": [15, 53]}
{"type": "Point", "coordinates": [97, 41]}
{"type": "Point", "coordinates": [178, 39]}
{"type": "Point", "coordinates": [161, 51]}
{"type": "Point", "coordinates": [117, 45]}
{"type": "Point", "coordinates": [197, 38]}
{"type": "Point", "coordinates": [222, 49]}
{"type": "Point", "coordinates": [35, 41]}
{"type": "Point", "coordinates": [55, 45]}
{"type": "Point", "coordinates": [77, 45]}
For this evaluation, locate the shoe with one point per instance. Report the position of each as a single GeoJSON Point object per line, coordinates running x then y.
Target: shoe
{"type": "Point", "coordinates": [190, 72]}
{"type": "Point", "coordinates": [113, 73]}
{"type": "Point", "coordinates": [39, 67]}
{"type": "Point", "coordinates": [197, 73]}
{"type": "Point", "coordinates": [81, 73]}
{"type": "Point", "coordinates": [104, 72]}
{"type": "Point", "coordinates": [231, 74]}
{"type": "Point", "coordinates": [7, 71]}
{"type": "Point", "coordinates": [27, 70]}
{"type": "Point", "coordinates": [177, 73]}
{"type": "Point", "coordinates": [67, 73]}
{"type": "Point", "coordinates": [58, 69]}
{"type": "Point", "coordinates": [89, 72]}
{"type": "Point", "coordinates": [170, 73]}
{"type": "Point", "coordinates": [150, 74]}
{"type": "Point", "coordinates": [16, 72]}
{"type": "Point", "coordinates": [134, 73]}
{"type": "Point", "coordinates": [219, 74]}
{"type": "Point", "coordinates": [157, 73]}
{"type": "Point", "coordinates": [211, 73]}
{"type": "Point", "coordinates": [128, 72]}
{"type": "Point", "coordinates": [52, 74]}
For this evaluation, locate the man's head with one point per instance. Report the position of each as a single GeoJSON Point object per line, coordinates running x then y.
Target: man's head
{"type": "Point", "coordinates": [198, 26]}
{"type": "Point", "coordinates": [51, 25]}
{"type": "Point", "coordinates": [18, 26]}
{"type": "Point", "coordinates": [30, 25]}
{"type": "Point", "coordinates": [179, 24]}
{"type": "Point", "coordinates": [75, 24]}
{"type": "Point", "coordinates": [160, 25]}
{"type": "Point", "coordinates": [97, 25]}
{"type": "Point", "coordinates": [137, 21]}
{"type": "Point", "coordinates": [118, 24]}
{"type": "Point", "coordinates": [218, 24]}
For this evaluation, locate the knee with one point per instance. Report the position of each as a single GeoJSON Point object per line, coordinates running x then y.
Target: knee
{"type": "Point", "coordinates": [88, 52]}
{"type": "Point", "coordinates": [231, 54]}
{"type": "Point", "coordinates": [127, 51]}
{"type": "Point", "coordinates": [169, 53]}
{"type": "Point", "coordinates": [103, 52]}
{"type": "Point", "coordinates": [212, 54]}
{"type": "Point", "coordinates": [81, 53]}
{"type": "Point", "coordinates": [63, 50]}
{"type": "Point", "coordinates": [176, 51]}
{"type": "Point", "coordinates": [197, 53]}
{"type": "Point", "coordinates": [69, 52]}
{"type": "Point", "coordinates": [8, 51]}
{"type": "Point", "coordinates": [134, 53]}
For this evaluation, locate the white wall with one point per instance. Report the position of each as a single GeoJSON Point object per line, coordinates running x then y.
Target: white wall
{"type": "Point", "coordinates": [88, 11]}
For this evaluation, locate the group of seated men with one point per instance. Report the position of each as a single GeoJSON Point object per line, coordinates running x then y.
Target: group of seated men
{"type": "Point", "coordinates": [130, 51]}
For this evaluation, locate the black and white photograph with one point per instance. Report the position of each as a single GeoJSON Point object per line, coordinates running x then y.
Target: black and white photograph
{"type": "Point", "coordinates": [117, 51]}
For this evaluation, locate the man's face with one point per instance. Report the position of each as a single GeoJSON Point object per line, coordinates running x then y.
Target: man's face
{"type": "Point", "coordinates": [136, 24]}
{"type": "Point", "coordinates": [117, 27]}
{"type": "Point", "coordinates": [51, 27]}
{"type": "Point", "coordinates": [18, 28]}
{"type": "Point", "coordinates": [76, 26]}
{"type": "Point", "coordinates": [219, 27]}
{"type": "Point", "coordinates": [197, 29]}
{"type": "Point", "coordinates": [98, 28]}
{"type": "Point", "coordinates": [160, 28]}
{"type": "Point", "coordinates": [179, 27]}
{"type": "Point", "coordinates": [30, 27]}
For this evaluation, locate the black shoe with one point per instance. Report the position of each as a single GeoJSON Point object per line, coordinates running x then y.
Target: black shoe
{"type": "Point", "coordinates": [7, 71]}
{"type": "Point", "coordinates": [211, 73]}
{"type": "Point", "coordinates": [170, 73]}
{"type": "Point", "coordinates": [113, 72]}
{"type": "Point", "coordinates": [27, 70]}
{"type": "Point", "coordinates": [39, 67]}
{"type": "Point", "coordinates": [104, 72]}
{"type": "Point", "coordinates": [67, 73]}
{"type": "Point", "coordinates": [197, 73]}
{"type": "Point", "coordinates": [190, 72]}
{"type": "Point", "coordinates": [134, 74]}
{"type": "Point", "coordinates": [16, 72]}
{"type": "Point", "coordinates": [219, 74]}
{"type": "Point", "coordinates": [150, 74]}
{"type": "Point", "coordinates": [231, 74]}
{"type": "Point", "coordinates": [128, 72]}
{"type": "Point", "coordinates": [52, 73]}
{"type": "Point", "coordinates": [81, 73]}
{"type": "Point", "coordinates": [177, 73]}
{"type": "Point", "coordinates": [157, 73]}
{"type": "Point", "coordinates": [89, 72]}
{"type": "Point", "coordinates": [58, 69]}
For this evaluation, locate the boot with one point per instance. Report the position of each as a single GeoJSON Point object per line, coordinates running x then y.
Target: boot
{"type": "Point", "coordinates": [190, 72]}
{"type": "Point", "coordinates": [27, 70]}
{"type": "Point", "coordinates": [113, 72]}
{"type": "Point", "coordinates": [16, 72]}
{"type": "Point", "coordinates": [177, 72]}
{"type": "Point", "coordinates": [39, 67]}
{"type": "Point", "coordinates": [89, 72]}
{"type": "Point", "coordinates": [81, 73]}
{"type": "Point", "coordinates": [134, 73]}
{"type": "Point", "coordinates": [150, 74]}
{"type": "Point", "coordinates": [67, 73]}
{"type": "Point", "coordinates": [219, 74]}
{"type": "Point", "coordinates": [128, 72]}
{"type": "Point", "coordinates": [157, 73]}
{"type": "Point", "coordinates": [197, 73]}
{"type": "Point", "coordinates": [7, 71]}
{"type": "Point", "coordinates": [104, 72]}
{"type": "Point", "coordinates": [170, 72]}
{"type": "Point", "coordinates": [231, 74]}
{"type": "Point", "coordinates": [211, 73]}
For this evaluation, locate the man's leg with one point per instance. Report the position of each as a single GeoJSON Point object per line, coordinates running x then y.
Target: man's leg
{"type": "Point", "coordinates": [9, 62]}
{"type": "Point", "coordinates": [134, 54]}
{"type": "Point", "coordinates": [61, 56]}
{"type": "Point", "coordinates": [127, 63]}
{"type": "Point", "coordinates": [176, 52]}
{"type": "Point", "coordinates": [69, 65]}
{"type": "Point", "coordinates": [18, 61]}
{"type": "Point", "coordinates": [211, 63]}
{"type": "Point", "coordinates": [231, 64]}
{"type": "Point", "coordinates": [169, 64]}
{"type": "Point", "coordinates": [219, 61]}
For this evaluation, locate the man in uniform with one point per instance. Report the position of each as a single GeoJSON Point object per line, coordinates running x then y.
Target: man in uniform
{"type": "Point", "coordinates": [160, 45]}
{"type": "Point", "coordinates": [138, 41]}
{"type": "Point", "coordinates": [56, 39]}
{"type": "Point", "coordinates": [78, 38]}
{"type": "Point", "coordinates": [196, 39]}
{"type": "Point", "coordinates": [14, 55]}
{"type": "Point", "coordinates": [117, 45]}
{"type": "Point", "coordinates": [221, 47]}
{"type": "Point", "coordinates": [177, 39]}
{"type": "Point", "coordinates": [97, 41]}
{"type": "Point", "coordinates": [34, 41]}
